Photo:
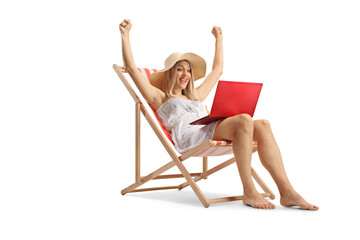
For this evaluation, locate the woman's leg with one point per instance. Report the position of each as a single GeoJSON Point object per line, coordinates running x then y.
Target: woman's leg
{"type": "Point", "coordinates": [270, 156]}
{"type": "Point", "coordinates": [240, 129]}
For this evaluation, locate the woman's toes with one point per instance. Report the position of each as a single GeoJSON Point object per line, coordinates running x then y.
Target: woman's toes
{"type": "Point", "coordinates": [268, 206]}
{"type": "Point", "coordinates": [297, 200]}
{"type": "Point", "coordinates": [314, 208]}
{"type": "Point", "coordinates": [307, 206]}
{"type": "Point", "coordinates": [257, 201]}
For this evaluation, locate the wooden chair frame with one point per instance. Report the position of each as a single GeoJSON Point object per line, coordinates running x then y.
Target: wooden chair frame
{"type": "Point", "coordinates": [191, 178]}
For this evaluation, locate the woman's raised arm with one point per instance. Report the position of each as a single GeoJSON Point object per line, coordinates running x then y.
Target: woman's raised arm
{"type": "Point", "coordinates": [152, 95]}
{"type": "Point", "coordinates": [205, 88]}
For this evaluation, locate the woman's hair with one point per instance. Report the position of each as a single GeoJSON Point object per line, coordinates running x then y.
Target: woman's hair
{"type": "Point", "coordinates": [170, 81]}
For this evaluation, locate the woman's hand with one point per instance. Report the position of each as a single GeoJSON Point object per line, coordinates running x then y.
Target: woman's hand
{"type": "Point", "coordinates": [217, 32]}
{"type": "Point", "coordinates": [125, 26]}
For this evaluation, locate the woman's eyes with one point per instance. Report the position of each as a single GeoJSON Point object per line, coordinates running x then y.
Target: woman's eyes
{"type": "Point", "coordinates": [180, 69]}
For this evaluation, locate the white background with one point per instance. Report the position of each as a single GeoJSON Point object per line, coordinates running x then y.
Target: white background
{"type": "Point", "coordinates": [67, 122]}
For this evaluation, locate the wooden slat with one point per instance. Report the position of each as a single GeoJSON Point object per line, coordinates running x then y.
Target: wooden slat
{"type": "Point", "coordinates": [233, 198]}
{"type": "Point", "coordinates": [185, 184]}
{"type": "Point", "coordinates": [155, 188]}
{"type": "Point", "coordinates": [176, 176]}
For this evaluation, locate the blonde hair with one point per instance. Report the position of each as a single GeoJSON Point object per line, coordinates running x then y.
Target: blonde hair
{"type": "Point", "coordinates": [170, 81]}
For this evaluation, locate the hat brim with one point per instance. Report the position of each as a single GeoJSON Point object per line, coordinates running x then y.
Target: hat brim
{"type": "Point", "coordinates": [198, 65]}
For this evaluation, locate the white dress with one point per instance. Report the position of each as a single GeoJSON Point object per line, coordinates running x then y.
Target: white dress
{"type": "Point", "coordinates": [176, 114]}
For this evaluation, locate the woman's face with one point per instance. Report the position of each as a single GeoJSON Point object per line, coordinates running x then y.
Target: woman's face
{"type": "Point", "coordinates": [183, 74]}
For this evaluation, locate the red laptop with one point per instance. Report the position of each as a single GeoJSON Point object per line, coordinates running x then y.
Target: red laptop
{"type": "Point", "coordinates": [232, 98]}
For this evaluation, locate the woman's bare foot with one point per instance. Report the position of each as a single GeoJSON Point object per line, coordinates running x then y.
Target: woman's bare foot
{"type": "Point", "coordinates": [292, 198]}
{"type": "Point", "coordinates": [257, 201]}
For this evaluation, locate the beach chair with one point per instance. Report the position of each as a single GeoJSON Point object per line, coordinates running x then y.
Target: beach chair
{"type": "Point", "coordinates": [206, 149]}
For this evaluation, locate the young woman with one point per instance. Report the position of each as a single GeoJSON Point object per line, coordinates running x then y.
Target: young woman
{"type": "Point", "coordinates": [172, 94]}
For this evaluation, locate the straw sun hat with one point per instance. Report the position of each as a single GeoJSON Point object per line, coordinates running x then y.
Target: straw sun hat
{"type": "Point", "coordinates": [198, 65]}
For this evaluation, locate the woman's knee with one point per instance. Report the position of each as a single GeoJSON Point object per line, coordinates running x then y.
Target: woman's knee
{"type": "Point", "coordinates": [226, 129]}
{"type": "Point", "coordinates": [261, 124]}
{"type": "Point", "coordinates": [243, 122]}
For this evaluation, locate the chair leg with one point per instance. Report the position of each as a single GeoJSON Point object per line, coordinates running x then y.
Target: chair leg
{"type": "Point", "coordinates": [191, 182]}
{"type": "Point", "coordinates": [137, 142]}
{"type": "Point", "coordinates": [262, 184]}
{"type": "Point", "coordinates": [205, 166]}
